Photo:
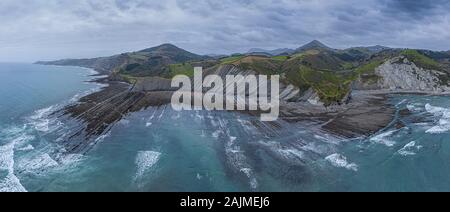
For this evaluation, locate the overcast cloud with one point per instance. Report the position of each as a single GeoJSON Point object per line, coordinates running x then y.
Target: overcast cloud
{"type": "Point", "coordinates": [33, 30]}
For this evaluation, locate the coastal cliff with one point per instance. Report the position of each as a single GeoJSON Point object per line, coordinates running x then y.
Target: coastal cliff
{"type": "Point", "coordinates": [337, 89]}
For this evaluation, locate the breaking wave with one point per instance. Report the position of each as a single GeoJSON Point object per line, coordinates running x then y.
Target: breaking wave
{"type": "Point", "coordinates": [144, 161]}
{"type": "Point", "coordinates": [443, 114]}
{"type": "Point", "coordinates": [409, 149]}
{"type": "Point", "coordinates": [340, 161]}
{"type": "Point", "coordinates": [383, 138]}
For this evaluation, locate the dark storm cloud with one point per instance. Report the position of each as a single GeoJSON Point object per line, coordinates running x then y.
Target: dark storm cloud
{"type": "Point", "coordinates": [52, 29]}
{"type": "Point", "coordinates": [416, 8]}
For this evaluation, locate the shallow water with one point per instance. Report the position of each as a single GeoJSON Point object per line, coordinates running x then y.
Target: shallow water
{"type": "Point", "coordinates": [163, 150]}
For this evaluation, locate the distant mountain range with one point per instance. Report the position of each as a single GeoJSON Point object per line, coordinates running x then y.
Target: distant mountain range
{"type": "Point", "coordinates": [151, 61]}
{"type": "Point", "coordinates": [313, 45]}
{"type": "Point", "coordinates": [315, 78]}
{"type": "Point", "coordinates": [328, 71]}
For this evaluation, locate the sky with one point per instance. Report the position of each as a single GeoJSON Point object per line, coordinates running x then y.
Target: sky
{"type": "Point", "coordinates": [32, 30]}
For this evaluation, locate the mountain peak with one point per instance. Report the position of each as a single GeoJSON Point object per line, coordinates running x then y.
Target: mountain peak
{"type": "Point", "coordinates": [165, 47]}
{"type": "Point", "coordinates": [315, 44]}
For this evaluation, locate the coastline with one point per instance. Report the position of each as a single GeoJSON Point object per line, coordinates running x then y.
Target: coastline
{"type": "Point", "coordinates": [100, 110]}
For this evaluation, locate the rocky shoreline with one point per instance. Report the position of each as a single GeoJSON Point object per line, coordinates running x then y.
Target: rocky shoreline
{"type": "Point", "coordinates": [345, 96]}
{"type": "Point", "coordinates": [364, 115]}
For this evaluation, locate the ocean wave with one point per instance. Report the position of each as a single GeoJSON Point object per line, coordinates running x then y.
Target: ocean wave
{"type": "Point", "coordinates": [340, 161]}
{"type": "Point", "coordinates": [7, 157]}
{"type": "Point", "coordinates": [292, 153]}
{"type": "Point", "coordinates": [38, 114]}
{"type": "Point", "coordinates": [409, 149]}
{"type": "Point", "coordinates": [79, 95]}
{"type": "Point", "coordinates": [434, 110]}
{"type": "Point", "coordinates": [124, 122]}
{"type": "Point", "coordinates": [443, 114]}
{"type": "Point", "coordinates": [11, 184]}
{"type": "Point", "coordinates": [39, 162]}
{"type": "Point", "coordinates": [317, 148]}
{"type": "Point", "coordinates": [416, 107]}
{"type": "Point", "coordinates": [198, 116]}
{"type": "Point", "coordinates": [29, 147]}
{"type": "Point", "coordinates": [149, 120]}
{"type": "Point", "coordinates": [216, 133]}
{"type": "Point", "coordinates": [144, 161]}
{"type": "Point", "coordinates": [245, 124]}
{"type": "Point", "coordinates": [102, 137]}
{"type": "Point", "coordinates": [162, 113]}
{"type": "Point", "coordinates": [249, 173]}
{"type": "Point", "coordinates": [327, 139]}
{"type": "Point", "coordinates": [383, 138]}
{"type": "Point", "coordinates": [287, 153]}
{"type": "Point", "coordinates": [42, 122]}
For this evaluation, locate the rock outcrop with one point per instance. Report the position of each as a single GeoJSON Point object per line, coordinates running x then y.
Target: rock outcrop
{"type": "Point", "coordinates": [401, 74]}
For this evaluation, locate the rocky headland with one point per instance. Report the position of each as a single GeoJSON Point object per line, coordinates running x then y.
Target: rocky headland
{"type": "Point", "coordinates": [346, 92]}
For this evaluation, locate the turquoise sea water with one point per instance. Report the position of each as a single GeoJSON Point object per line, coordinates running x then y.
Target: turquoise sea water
{"type": "Point", "coordinates": [162, 150]}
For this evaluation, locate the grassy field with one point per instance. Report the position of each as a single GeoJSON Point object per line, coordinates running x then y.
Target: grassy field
{"type": "Point", "coordinates": [230, 60]}
{"type": "Point", "coordinates": [330, 86]}
{"type": "Point", "coordinates": [421, 60]}
{"type": "Point", "coordinates": [181, 69]}
{"type": "Point", "coordinates": [281, 58]}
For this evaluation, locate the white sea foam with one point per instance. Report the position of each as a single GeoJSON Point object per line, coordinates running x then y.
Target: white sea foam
{"type": "Point", "coordinates": [217, 133]}
{"type": "Point", "coordinates": [124, 122]}
{"type": "Point", "coordinates": [38, 114]}
{"type": "Point", "coordinates": [246, 125]}
{"type": "Point", "coordinates": [146, 160]}
{"type": "Point", "coordinates": [315, 147]}
{"type": "Point", "coordinates": [415, 107]}
{"type": "Point", "coordinates": [411, 107]}
{"type": "Point", "coordinates": [29, 147]}
{"type": "Point", "coordinates": [434, 110]}
{"type": "Point", "coordinates": [69, 160]}
{"type": "Point", "coordinates": [102, 137]}
{"type": "Point", "coordinates": [443, 114]}
{"type": "Point", "coordinates": [41, 121]}
{"type": "Point", "coordinates": [249, 173]}
{"type": "Point", "coordinates": [162, 113]}
{"type": "Point", "coordinates": [198, 116]}
{"type": "Point", "coordinates": [292, 153]}
{"type": "Point", "coordinates": [409, 149]}
{"type": "Point", "coordinates": [383, 138]}
{"type": "Point", "coordinates": [22, 139]}
{"type": "Point", "coordinates": [199, 177]}
{"type": "Point", "coordinates": [42, 126]}
{"type": "Point", "coordinates": [11, 184]}
{"type": "Point", "coordinates": [327, 138]}
{"type": "Point", "coordinates": [40, 162]}
{"type": "Point", "coordinates": [7, 157]}
{"type": "Point", "coordinates": [77, 96]}
{"type": "Point", "coordinates": [340, 161]}
{"type": "Point", "coordinates": [149, 120]}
